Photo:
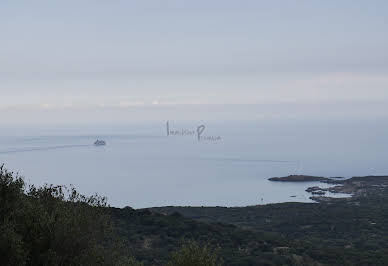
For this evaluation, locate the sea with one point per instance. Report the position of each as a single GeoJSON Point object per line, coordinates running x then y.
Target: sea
{"type": "Point", "coordinates": [196, 163]}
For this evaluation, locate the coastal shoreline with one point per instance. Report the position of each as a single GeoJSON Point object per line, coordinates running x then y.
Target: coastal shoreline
{"type": "Point", "coordinates": [355, 186]}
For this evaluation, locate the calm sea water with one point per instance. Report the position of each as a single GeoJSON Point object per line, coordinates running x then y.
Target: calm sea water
{"type": "Point", "coordinates": [141, 167]}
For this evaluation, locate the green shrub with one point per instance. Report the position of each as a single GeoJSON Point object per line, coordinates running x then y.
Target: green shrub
{"type": "Point", "coordinates": [53, 225]}
{"type": "Point", "coordinates": [193, 254]}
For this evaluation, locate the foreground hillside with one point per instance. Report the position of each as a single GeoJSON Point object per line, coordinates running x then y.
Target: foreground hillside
{"type": "Point", "coordinates": [53, 225]}
{"type": "Point", "coordinates": [152, 237]}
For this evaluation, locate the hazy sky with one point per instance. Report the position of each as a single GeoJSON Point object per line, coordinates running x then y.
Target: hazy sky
{"type": "Point", "coordinates": [106, 54]}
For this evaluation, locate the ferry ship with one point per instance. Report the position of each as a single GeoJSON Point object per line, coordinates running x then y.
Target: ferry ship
{"type": "Point", "coordinates": [99, 143]}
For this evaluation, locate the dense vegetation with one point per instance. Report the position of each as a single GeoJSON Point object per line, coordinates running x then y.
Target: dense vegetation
{"type": "Point", "coordinates": [52, 225]}
{"type": "Point", "coordinates": [352, 231]}
{"type": "Point", "coordinates": [153, 237]}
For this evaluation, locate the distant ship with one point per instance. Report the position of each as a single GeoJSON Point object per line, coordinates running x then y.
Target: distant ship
{"type": "Point", "coordinates": [99, 143]}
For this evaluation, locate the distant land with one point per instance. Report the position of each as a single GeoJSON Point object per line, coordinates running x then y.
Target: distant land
{"type": "Point", "coordinates": [302, 178]}
{"type": "Point", "coordinates": [354, 185]}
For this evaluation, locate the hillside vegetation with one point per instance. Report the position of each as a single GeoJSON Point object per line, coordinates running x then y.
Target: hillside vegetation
{"type": "Point", "coordinates": [53, 225]}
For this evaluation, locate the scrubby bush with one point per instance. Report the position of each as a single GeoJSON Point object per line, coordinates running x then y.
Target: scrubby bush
{"type": "Point", "coordinates": [193, 254]}
{"type": "Point", "coordinates": [53, 225]}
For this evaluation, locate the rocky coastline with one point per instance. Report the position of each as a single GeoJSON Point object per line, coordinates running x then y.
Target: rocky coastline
{"type": "Point", "coordinates": [355, 186]}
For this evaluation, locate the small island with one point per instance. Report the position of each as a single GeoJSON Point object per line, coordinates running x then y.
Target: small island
{"type": "Point", "coordinates": [299, 178]}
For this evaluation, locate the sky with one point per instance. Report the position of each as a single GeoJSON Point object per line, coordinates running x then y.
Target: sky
{"type": "Point", "coordinates": [66, 58]}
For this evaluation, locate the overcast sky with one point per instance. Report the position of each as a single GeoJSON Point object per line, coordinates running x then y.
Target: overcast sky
{"type": "Point", "coordinates": [105, 54]}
